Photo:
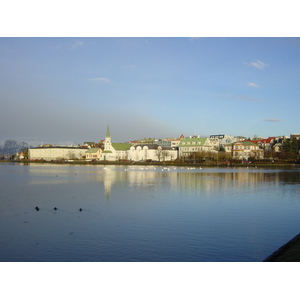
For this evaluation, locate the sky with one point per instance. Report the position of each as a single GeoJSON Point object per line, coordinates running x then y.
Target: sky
{"type": "Point", "coordinates": [55, 90]}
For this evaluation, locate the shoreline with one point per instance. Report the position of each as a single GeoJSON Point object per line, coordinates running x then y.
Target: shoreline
{"type": "Point", "coordinates": [175, 164]}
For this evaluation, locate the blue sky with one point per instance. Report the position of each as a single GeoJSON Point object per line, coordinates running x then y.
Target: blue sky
{"type": "Point", "coordinates": [69, 89]}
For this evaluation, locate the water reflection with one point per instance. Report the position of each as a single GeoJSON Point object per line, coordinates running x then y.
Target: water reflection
{"type": "Point", "coordinates": [133, 213]}
{"type": "Point", "coordinates": [192, 180]}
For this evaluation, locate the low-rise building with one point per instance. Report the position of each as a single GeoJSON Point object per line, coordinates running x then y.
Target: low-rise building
{"type": "Point", "coordinates": [244, 150]}
{"type": "Point", "coordinates": [194, 144]}
{"type": "Point", "coordinates": [94, 153]}
{"type": "Point", "coordinates": [222, 139]}
{"type": "Point", "coordinates": [57, 153]}
{"type": "Point", "coordinates": [168, 142]}
{"type": "Point", "coordinates": [265, 144]}
{"type": "Point", "coordinates": [152, 152]}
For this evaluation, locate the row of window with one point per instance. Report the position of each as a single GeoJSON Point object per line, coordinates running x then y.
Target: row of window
{"type": "Point", "coordinates": [191, 143]}
{"type": "Point", "coordinates": [243, 147]}
{"type": "Point", "coordinates": [191, 149]}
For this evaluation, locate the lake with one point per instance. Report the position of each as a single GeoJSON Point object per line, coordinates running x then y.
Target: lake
{"type": "Point", "coordinates": [145, 213]}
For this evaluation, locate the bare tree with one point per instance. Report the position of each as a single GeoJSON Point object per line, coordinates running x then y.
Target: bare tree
{"type": "Point", "coordinates": [159, 153]}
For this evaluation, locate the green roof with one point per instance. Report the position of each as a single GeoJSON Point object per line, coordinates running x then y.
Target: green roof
{"type": "Point", "coordinates": [92, 150]}
{"type": "Point", "coordinates": [192, 142]}
{"type": "Point", "coordinates": [121, 146]}
{"type": "Point", "coordinates": [247, 143]}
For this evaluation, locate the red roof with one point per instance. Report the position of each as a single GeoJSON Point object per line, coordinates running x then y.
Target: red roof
{"type": "Point", "coordinates": [264, 141]}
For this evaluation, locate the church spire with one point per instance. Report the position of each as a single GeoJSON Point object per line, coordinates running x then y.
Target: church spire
{"type": "Point", "coordinates": [107, 132]}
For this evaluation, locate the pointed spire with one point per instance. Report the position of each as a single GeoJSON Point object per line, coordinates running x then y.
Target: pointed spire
{"type": "Point", "coordinates": [107, 132]}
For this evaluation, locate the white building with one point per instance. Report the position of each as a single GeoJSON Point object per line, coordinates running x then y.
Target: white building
{"type": "Point", "coordinates": [192, 145]}
{"type": "Point", "coordinates": [222, 139]}
{"type": "Point", "coordinates": [57, 153]}
{"type": "Point", "coordinates": [152, 152]}
{"type": "Point", "coordinates": [114, 151]}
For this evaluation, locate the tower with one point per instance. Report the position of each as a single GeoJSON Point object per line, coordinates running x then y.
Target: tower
{"type": "Point", "coordinates": [107, 142]}
{"type": "Point", "coordinates": [107, 137]}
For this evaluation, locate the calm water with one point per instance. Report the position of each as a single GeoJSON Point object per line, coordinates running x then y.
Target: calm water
{"type": "Point", "coordinates": [145, 213]}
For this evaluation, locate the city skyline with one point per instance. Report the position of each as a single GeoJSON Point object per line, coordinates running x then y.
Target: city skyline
{"type": "Point", "coordinates": [69, 89]}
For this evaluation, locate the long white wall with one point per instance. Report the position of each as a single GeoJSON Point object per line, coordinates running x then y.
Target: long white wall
{"type": "Point", "coordinates": [56, 153]}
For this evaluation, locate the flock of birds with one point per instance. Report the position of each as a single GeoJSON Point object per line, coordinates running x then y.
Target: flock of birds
{"type": "Point", "coordinates": [163, 169]}
{"type": "Point", "coordinates": [55, 208]}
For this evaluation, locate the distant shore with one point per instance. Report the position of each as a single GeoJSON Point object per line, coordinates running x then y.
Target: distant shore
{"type": "Point", "coordinates": [168, 163]}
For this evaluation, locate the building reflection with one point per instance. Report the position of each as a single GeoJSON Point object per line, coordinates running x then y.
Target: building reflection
{"type": "Point", "coordinates": [191, 180]}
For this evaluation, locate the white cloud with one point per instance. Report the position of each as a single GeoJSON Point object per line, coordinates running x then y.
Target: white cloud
{"type": "Point", "coordinates": [273, 120]}
{"type": "Point", "coordinates": [193, 39]}
{"type": "Point", "coordinates": [77, 44]}
{"type": "Point", "coordinates": [239, 97]}
{"type": "Point", "coordinates": [252, 84]}
{"type": "Point", "coordinates": [246, 98]}
{"type": "Point", "coordinates": [257, 64]}
{"type": "Point", "coordinates": [102, 79]}
{"type": "Point", "coordinates": [131, 66]}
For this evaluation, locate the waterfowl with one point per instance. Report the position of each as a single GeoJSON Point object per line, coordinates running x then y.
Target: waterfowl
{"type": "Point", "coordinates": [37, 208]}
{"type": "Point", "coordinates": [80, 209]}
{"type": "Point", "coordinates": [55, 208]}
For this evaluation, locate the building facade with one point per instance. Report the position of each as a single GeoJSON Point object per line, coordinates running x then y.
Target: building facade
{"type": "Point", "coordinates": [265, 144]}
{"type": "Point", "coordinates": [57, 153]}
{"type": "Point", "coordinates": [244, 150]}
{"type": "Point", "coordinates": [94, 153]}
{"type": "Point", "coordinates": [168, 142]}
{"type": "Point", "coordinates": [222, 139]}
{"type": "Point", "coordinates": [192, 145]}
{"type": "Point", "coordinates": [152, 152]}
